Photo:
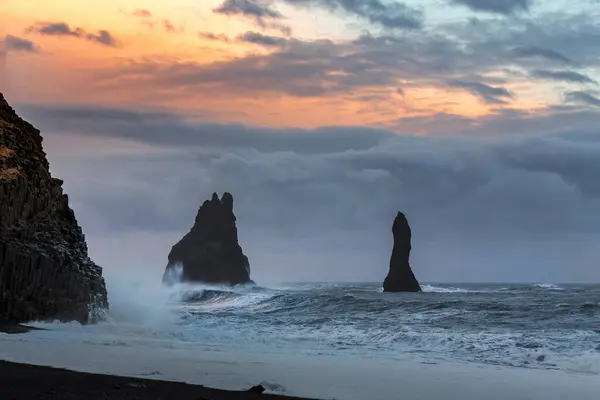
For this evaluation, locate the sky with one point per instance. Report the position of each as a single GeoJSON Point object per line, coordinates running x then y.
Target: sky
{"type": "Point", "coordinates": [479, 119]}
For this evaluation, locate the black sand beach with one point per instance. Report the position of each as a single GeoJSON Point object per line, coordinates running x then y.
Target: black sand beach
{"type": "Point", "coordinates": [25, 382]}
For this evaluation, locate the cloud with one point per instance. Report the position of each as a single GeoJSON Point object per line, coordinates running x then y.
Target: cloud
{"type": "Point", "coordinates": [165, 24]}
{"type": "Point", "coordinates": [504, 7]}
{"type": "Point", "coordinates": [142, 13]}
{"type": "Point", "coordinates": [565, 76]}
{"type": "Point", "coordinates": [387, 14]}
{"type": "Point", "coordinates": [575, 34]}
{"type": "Point", "coordinates": [546, 54]}
{"type": "Point", "coordinates": [149, 126]}
{"type": "Point", "coordinates": [102, 37]}
{"type": "Point", "coordinates": [324, 200]}
{"type": "Point", "coordinates": [260, 39]}
{"type": "Point", "coordinates": [489, 94]}
{"type": "Point", "coordinates": [213, 36]}
{"type": "Point", "coordinates": [308, 68]}
{"type": "Point", "coordinates": [494, 52]}
{"type": "Point", "coordinates": [17, 44]}
{"type": "Point", "coordinates": [261, 12]}
{"type": "Point", "coordinates": [504, 122]}
{"type": "Point", "coordinates": [169, 27]}
{"type": "Point", "coordinates": [583, 98]}
{"type": "Point", "coordinates": [250, 8]}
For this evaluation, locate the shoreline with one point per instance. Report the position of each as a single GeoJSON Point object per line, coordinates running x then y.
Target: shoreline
{"type": "Point", "coordinates": [27, 381]}
{"type": "Point", "coordinates": [16, 329]}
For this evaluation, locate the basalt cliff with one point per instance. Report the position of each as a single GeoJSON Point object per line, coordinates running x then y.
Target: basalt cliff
{"type": "Point", "coordinates": [400, 278]}
{"type": "Point", "coordinates": [45, 271]}
{"type": "Point", "coordinates": [210, 252]}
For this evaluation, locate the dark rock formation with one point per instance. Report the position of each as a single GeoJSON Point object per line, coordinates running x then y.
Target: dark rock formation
{"type": "Point", "coordinates": [400, 278]}
{"type": "Point", "coordinates": [260, 389]}
{"type": "Point", "coordinates": [45, 271]}
{"type": "Point", "coordinates": [210, 252]}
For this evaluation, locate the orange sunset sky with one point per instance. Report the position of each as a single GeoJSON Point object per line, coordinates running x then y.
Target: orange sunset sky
{"type": "Point", "coordinates": [205, 60]}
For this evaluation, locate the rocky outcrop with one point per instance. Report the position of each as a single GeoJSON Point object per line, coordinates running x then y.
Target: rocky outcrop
{"type": "Point", "coordinates": [400, 278]}
{"type": "Point", "coordinates": [210, 252]}
{"type": "Point", "coordinates": [45, 271]}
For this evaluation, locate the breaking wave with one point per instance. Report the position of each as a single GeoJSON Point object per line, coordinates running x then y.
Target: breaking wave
{"type": "Point", "coordinates": [547, 286]}
{"type": "Point", "coordinates": [539, 326]}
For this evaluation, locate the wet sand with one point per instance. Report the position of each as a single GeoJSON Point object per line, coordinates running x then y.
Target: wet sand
{"type": "Point", "coordinates": [24, 381]}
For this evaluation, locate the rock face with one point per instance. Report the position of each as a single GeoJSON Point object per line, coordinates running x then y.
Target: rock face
{"type": "Point", "coordinates": [210, 252]}
{"type": "Point", "coordinates": [400, 278]}
{"type": "Point", "coordinates": [45, 271]}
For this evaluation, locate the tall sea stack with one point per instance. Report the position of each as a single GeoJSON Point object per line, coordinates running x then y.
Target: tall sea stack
{"type": "Point", "coordinates": [400, 278]}
{"type": "Point", "coordinates": [45, 271]}
{"type": "Point", "coordinates": [210, 252]}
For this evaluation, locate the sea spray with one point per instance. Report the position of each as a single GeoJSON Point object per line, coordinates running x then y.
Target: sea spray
{"type": "Point", "coordinates": [173, 275]}
{"type": "Point", "coordinates": [138, 296]}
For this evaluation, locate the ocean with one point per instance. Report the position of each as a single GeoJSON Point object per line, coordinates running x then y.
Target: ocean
{"type": "Point", "coordinates": [503, 334]}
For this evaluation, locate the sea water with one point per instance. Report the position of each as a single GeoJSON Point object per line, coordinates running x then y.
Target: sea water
{"type": "Point", "coordinates": [341, 340]}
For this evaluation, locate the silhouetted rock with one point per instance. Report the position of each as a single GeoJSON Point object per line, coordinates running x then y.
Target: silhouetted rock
{"type": "Point", "coordinates": [400, 278]}
{"type": "Point", "coordinates": [45, 271]}
{"type": "Point", "coordinates": [210, 252]}
{"type": "Point", "coordinates": [257, 389]}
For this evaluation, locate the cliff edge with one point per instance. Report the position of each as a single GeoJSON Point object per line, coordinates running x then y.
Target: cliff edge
{"type": "Point", "coordinates": [45, 271]}
{"type": "Point", "coordinates": [400, 278]}
{"type": "Point", "coordinates": [210, 252]}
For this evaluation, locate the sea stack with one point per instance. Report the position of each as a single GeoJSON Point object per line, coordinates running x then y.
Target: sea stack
{"type": "Point", "coordinates": [45, 271]}
{"type": "Point", "coordinates": [210, 252]}
{"type": "Point", "coordinates": [400, 278]}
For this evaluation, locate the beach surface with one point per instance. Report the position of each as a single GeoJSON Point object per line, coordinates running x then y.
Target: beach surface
{"type": "Point", "coordinates": [307, 375]}
{"type": "Point", "coordinates": [24, 381]}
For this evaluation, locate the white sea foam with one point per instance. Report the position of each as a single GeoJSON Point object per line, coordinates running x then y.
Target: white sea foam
{"type": "Point", "coordinates": [439, 289]}
{"type": "Point", "coordinates": [547, 286]}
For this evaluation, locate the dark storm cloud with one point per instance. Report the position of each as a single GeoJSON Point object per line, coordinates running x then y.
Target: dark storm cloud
{"type": "Point", "coordinates": [505, 122]}
{"type": "Point", "coordinates": [564, 76]}
{"type": "Point", "coordinates": [331, 194]}
{"type": "Point", "coordinates": [387, 14]}
{"type": "Point", "coordinates": [15, 43]}
{"type": "Point", "coordinates": [575, 34]}
{"type": "Point", "coordinates": [489, 94]}
{"type": "Point", "coordinates": [543, 53]}
{"type": "Point", "coordinates": [504, 7]}
{"type": "Point", "coordinates": [575, 163]}
{"type": "Point", "coordinates": [149, 127]}
{"type": "Point", "coordinates": [102, 37]}
{"type": "Point", "coordinates": [583, 98]}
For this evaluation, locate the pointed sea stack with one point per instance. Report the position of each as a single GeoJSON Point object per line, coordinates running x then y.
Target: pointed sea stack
{"type": "Point", "coordinates": [210, 252]}
{"type": "Point", "coordinates": [45, 271]}
{"type": "Point", "coordinates": [400, 278]}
